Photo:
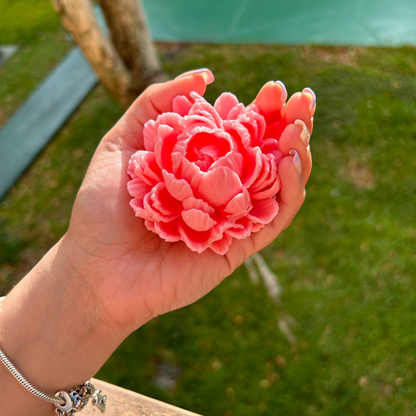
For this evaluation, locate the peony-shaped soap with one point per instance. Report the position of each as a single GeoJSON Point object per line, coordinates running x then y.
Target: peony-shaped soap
{"type": "Point", "coordinates": [208, 174]}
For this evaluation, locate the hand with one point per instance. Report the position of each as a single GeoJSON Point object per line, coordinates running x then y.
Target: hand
{"type": "Point", "coordinates": [132, 273]}
{"type": "Point", "coordinates": [109, 274]}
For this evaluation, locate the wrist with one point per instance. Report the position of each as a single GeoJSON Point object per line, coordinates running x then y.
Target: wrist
{"type": "Point", "coordinates": [52, 331]}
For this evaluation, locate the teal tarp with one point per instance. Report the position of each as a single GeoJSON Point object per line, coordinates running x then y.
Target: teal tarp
{"type": "Point", "coordinates": [331, 22]}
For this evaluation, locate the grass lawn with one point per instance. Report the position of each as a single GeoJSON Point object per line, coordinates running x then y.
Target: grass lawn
{"type": "Point", "coordinates": [347, 263]}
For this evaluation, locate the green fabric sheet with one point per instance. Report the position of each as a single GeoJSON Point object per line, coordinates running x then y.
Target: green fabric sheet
{"type": "Point", "coordinates": [327, 22]}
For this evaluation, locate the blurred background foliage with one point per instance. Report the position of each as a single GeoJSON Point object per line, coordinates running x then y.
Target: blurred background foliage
{"type": "Point", "coordinates": [347, 263]}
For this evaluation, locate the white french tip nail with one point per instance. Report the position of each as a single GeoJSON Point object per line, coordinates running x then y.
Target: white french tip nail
{"type": "Point", "coordinates": [296, 161]}
{"type": "Point", "coordinates": [313, 103]}
{"type": "Point", "coordinates": [304, 135]}
{"type": "Point", "coordinates": [205, 72]}
{"type": "Point", "coordinates": [284, 93]}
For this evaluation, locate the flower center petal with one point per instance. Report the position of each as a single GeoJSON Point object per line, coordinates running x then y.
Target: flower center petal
{"type": "Point", "coordinates": [204, 148]}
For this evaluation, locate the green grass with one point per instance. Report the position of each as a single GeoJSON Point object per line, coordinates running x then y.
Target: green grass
{"type": "Point", "coordinates": [23, 20]}
{"type": "Point", "coordinates": [347, 263]}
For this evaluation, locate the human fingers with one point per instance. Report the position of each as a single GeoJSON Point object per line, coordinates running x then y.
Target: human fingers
{"type": "Point", "coordinates": [296, 136]}
{"type": "Point", "coordinates": [301, 106]}
{"type": "Point", "coordinates": [270, 100]}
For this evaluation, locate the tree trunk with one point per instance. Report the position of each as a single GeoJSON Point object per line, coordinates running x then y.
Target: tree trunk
{"type": "Point", "coordinates": [78, 18]}
{"type": "Point", "coordinates": [130, 35]}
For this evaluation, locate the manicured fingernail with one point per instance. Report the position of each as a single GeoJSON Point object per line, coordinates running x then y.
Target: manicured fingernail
{"type": "Point", "coordinates": [205, 72]}
{"type": "Point", "coordinates": [284, 91]}
{"type": "Point", "coordinates": [296, 161]}
{"type": "Point", "coordinates": [304, 136]}
{"type": "Point", "coordinates": [313, 102]}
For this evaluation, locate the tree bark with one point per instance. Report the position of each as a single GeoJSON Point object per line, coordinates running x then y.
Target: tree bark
{"type": "Point", "coordinates": [78, 18]}
{"type": "Point", "coordinates": [126, 20]}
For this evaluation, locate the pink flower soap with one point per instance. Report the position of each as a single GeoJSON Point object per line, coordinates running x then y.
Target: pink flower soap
{"type": "Point", "coordinates": [208, 174]}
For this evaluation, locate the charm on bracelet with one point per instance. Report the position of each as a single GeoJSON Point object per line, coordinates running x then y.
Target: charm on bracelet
{"type": "Point", "coordinates": [78, 397]}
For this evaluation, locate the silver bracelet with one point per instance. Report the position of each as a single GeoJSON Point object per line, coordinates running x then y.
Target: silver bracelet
{"type": "Point", "coordinates": [66, 402]}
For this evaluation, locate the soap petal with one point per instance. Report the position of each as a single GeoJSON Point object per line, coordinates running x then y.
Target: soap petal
{"type": "Point", "coordinates": [225, 103]}
{"type": "Point", "coordinates": [263, 211]}
{"type": "Point", "coordinates": [178, 188]}
{"type": "Point", "coordinates": [197, 220]}
{"type": "Point", "coordinates": [219, 185]}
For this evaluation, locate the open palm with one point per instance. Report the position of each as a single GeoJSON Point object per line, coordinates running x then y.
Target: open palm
{"type": "Point", "coordinates": [134, 274]}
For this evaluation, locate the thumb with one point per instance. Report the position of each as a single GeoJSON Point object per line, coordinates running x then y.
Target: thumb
{"type": "Point", "coordinates": [157, 99]}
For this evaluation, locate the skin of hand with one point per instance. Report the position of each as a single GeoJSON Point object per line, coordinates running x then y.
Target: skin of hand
{"type": "Point", "coordinates": [135, 275]}
{"type": "Point", "coordinates": [109, 275]}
